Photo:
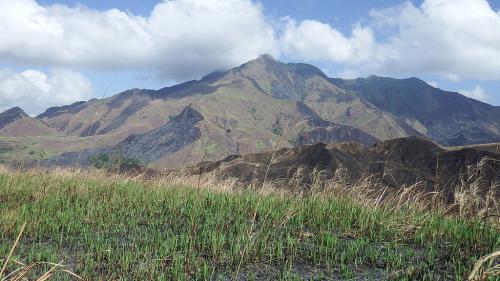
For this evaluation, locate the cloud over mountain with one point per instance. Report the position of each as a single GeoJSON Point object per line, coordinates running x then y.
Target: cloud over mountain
{"type": "Point", "coordinates": [36, 90]}
{"type": "Point", "coordinates": [179, 39]}
{"type": "Point", "coordinates": [454, 38]}
{"type": "Point", "coordinates": [185, 39]}
{"type": "Point", "coordinates": [318, 41]}
{"type": "Point", "coordinates": [477, 93]}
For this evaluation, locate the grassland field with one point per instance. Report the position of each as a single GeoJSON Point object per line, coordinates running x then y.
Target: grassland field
{"type": "Point", "coordinates": [95, 226]}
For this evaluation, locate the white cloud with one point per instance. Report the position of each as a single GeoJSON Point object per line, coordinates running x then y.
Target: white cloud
{"type": "Point", "coordinates": [477, 93]}
{"type": "Point", "coordinates": [454, 38]}
{"type": "Point", "coordinates": [185, 39]}
{"type": "Point", "coordinates": [433, 84]}
{"type": "Point", "coordinates": [35, 90]}
{"type": "Point", "coordinates": [313, 40]}
{"type": "Point", "coordinates": [179, 39]}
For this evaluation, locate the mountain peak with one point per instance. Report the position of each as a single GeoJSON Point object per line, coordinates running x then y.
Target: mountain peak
{"type": "Point", "coordinates": [11, 115]}
{"type": "Point", "coordinates": [15, 111]}
{"type": "Point", "coordinates": [266, 58]}
{"type": "Point", "coordinates": [189, 113]}
{"type": "Point", "coordinates": [263, 60]}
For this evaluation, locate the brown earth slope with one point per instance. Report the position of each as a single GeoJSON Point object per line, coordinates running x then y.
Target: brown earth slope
{"type": "Point", "coordinates": [396, 163]}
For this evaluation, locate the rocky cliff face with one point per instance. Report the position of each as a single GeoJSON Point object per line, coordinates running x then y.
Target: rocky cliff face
{"type": "Point", "coordinates": [165, 140]}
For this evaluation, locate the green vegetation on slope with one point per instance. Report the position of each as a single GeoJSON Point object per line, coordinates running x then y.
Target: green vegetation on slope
{"type": "Point", "coordinates": [104, 227]}
{"type": "Point", "coordinates": [19, 151]}
{"type": "Point", "coordinates": [111, 161]}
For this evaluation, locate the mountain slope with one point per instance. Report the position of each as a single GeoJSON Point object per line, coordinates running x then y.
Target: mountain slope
{"type": "Point", "coordinates": [194, 135]}
{"type": "Point", "coordinates": [11, 115]}
{"type": "Point", "coordinates": [396, 163]}
{"type": "Point", "coordinates": [447, 117]}
{"type": "Point", "coordinates": [306, 83]}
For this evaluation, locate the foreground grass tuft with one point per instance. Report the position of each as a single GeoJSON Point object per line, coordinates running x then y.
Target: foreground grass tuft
{"type": "Point", "coordinates": [103, 227]}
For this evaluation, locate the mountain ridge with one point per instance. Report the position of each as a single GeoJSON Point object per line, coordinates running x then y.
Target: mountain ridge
{"type": "Point", "coordinates": [14, 122]}
{"type": "Point", "coordinates": [437, 110]}
{"type": "Point", "coordinates": [11, 115]}
{"type": "Point", "coordinates": [246, 109]}
{"type": "Point", "coordinates": [394, 163]}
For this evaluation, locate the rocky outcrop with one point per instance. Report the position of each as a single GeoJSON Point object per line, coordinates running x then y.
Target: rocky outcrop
{"type": "Point", "coordinates": [320, 130]}
{"type": "Point", "coordinates": [165, 140]}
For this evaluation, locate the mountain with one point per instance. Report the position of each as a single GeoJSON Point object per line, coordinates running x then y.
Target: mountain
{"type": "Point", "coordinates": [191, 137]}
{"type": "Point", "coordinates": [253, 107]}
{"type": "Point", "coordinates": [256, 82]}
{"type": "Point", "coordinates": [11, 115]}
{"type": "Point", "coordinates": [306, 83]}
{"type": "Point", "coordinates": [15, 122]}
{"type": "Point", "coordinates": [447, 117]}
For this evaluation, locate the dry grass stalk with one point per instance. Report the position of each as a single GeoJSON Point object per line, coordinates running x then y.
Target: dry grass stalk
{"type": "Point", "coordinates": [252, 233]}
{"type": "Point", "coordinates": [12, 250]}
{"type": "Point", "coordinates": [94, 122]}
{"type": "Point", "coordinates": [470, 198]}
{"type": "Point", "coordinates": [23, 269]}
{"type": "Point", "coordinates": [485, 267]}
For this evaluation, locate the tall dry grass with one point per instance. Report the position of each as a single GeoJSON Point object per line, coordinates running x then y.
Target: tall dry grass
{"type": "Point", "coordinates": [472, 197]}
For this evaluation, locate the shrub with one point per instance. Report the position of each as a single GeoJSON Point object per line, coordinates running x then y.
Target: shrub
{"type": "Point", "coordinates": [111, 161]}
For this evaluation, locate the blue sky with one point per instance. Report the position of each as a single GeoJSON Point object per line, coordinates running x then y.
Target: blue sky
{"type": "Point", "coordinates": [55, 52]}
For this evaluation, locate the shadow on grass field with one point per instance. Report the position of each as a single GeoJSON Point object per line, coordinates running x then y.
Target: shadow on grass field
{"type": "Point", "coordinates": [98, 226]}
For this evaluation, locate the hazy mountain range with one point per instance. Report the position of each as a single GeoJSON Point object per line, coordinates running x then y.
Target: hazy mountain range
{"type": "Point", "coordinates": [246, 110]}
